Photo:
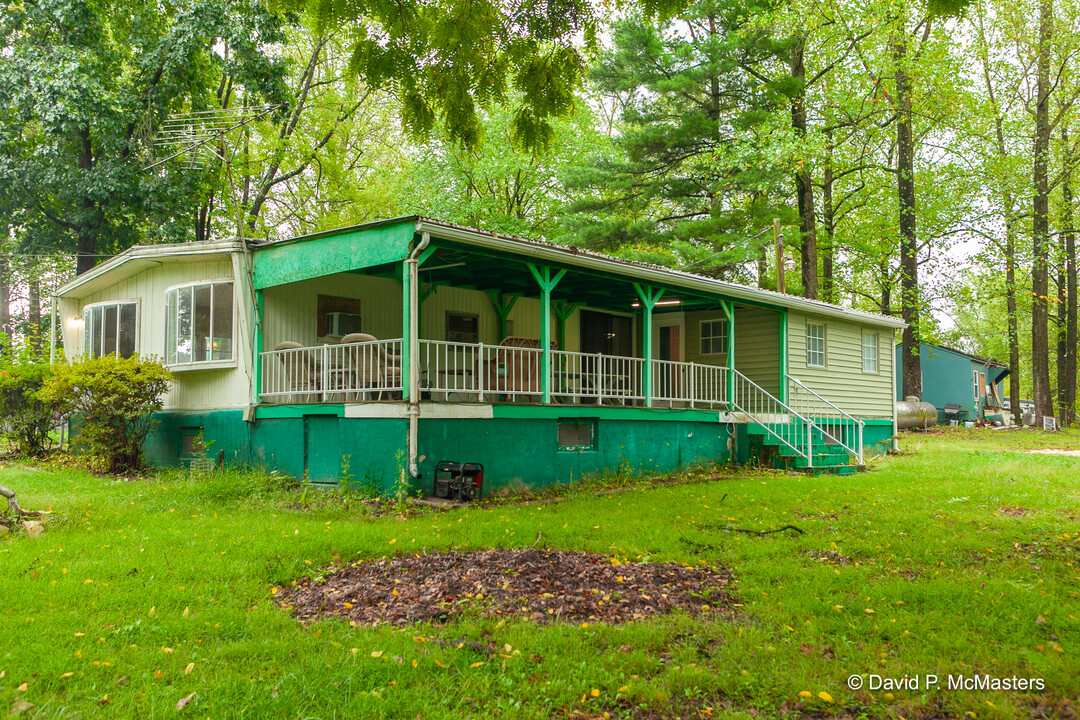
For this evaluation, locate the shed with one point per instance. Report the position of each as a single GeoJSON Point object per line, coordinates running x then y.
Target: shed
{"type": "Point", "coordinates": [954, 377]}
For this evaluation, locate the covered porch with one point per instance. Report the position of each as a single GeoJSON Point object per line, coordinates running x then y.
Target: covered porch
{"type": "Point", "coordinates": [449, 322]}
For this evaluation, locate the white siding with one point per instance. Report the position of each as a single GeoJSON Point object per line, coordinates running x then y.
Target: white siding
{"type": "Point", "coordinates": [842, 380]}
{"type": "Point", "coordinates": [193, 389]}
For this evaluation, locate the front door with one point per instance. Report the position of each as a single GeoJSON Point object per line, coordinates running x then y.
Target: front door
{"type": "Point", "coordinates": [669, 347]}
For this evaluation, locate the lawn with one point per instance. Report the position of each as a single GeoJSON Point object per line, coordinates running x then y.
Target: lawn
{"type": "Point", "coordinates": [959, 557]}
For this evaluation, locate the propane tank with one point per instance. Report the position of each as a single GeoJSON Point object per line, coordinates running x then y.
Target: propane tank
{"type": "Point", "coordinates": [911, 413]}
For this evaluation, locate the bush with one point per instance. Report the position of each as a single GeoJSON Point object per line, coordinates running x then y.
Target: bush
{"type": "Point", "coordinates": [113, 400]}
{"type": "Point", "coordinates": [25, 419]}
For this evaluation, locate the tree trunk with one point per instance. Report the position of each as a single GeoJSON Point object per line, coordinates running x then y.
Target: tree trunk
{"type": "Point", "coordinates": [33, 314]}
{"type": "Point", "coordinates": [1010, 309]}
{"type": "Point", "coordinates": [90, 221]}
{"type": "Point", "coordinates": [905, 190]}
{"type": "Point", "coordinates": [803, 186]}
{"type": "Point", "coordinates": [1067, 294]}
{"type": "Point", "coordinates": [5, 298]}
{"type": "Point", "coordinates": [1040, 343]}
{"type": "Point", "coordinates": [828, 283]}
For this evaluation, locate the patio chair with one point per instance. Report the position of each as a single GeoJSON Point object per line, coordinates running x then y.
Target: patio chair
{"type": "Point", "coordinates": [301, 373]}
{"type": "Point", "coordinates": [372, 366]}
{"type": "Point", "coordinates": [512, 372]}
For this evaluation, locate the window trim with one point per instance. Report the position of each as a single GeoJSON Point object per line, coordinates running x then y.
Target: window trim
{"type": "Point", "coordinates": [200, 364]}
{"type": "Point", "coordinates": [877, 352]}
{"type": "Point", "coordinates": [701, 336]}
{"type": "Point", "coordinates": [824, 344]}
{"type": "Point", "coordinates": [101, 303]}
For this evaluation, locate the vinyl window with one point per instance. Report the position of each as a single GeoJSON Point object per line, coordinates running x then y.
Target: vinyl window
{"type": "Point", "coordinates": [199, 324]}
{"type": "Point", "coordinates": [869, 352]}
{"type": "Point", "coordinates": [714, 337]}
{"type": "Point", "coordinates": [110, 329]}
{"type": "Point", "coordinates": [815, 344]}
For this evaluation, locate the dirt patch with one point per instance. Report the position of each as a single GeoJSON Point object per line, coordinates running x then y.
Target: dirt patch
{"type": "Point", "coordinates": [1014, 511]}
{"type": "Point", "coordinates": [533, 584]}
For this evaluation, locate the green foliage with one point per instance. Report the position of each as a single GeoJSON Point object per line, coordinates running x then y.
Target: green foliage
{"type": "Point", "coordinates": [447, 60]}
{"type": "Point", "coordinates": [696, 121]}
{"type": "Point", "coordinates": [112, 399]}
{"type": "Point", "coordinates": [26, 418]}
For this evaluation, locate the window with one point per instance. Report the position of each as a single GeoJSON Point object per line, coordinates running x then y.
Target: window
{"type": "Point", "coordinates": [110, 329]}
{"type": "Point", "coordinates": [713, 337]}
{"type": "Point", "coordinates": [199, 324]}
{"type": "Point", "coordinates": [462, 327]}
{"type": "Point", "coordinates": [815, 344]}
{"type": "Point", "coordinates": [577, 434]}
{"type": "Point", "coordinates": [869, 352]}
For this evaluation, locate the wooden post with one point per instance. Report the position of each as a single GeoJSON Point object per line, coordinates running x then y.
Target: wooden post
{"type": "Point", "coordinates": [781, 284]}
{"type": "Point", "coordinates": [729, 313]}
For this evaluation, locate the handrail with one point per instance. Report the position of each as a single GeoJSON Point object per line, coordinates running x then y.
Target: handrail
{"type": "Point", "coordinates": [808, 452]}
{"type": "Point", "coordinates": [857, 451]}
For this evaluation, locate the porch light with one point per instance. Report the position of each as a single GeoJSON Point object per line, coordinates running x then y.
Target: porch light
{"type": "Point", "coordinates": [662, 302]}
{"type": "Point", "coordinates": [789, 265]}
{"type": "Point", "coordinates": [77, 322]}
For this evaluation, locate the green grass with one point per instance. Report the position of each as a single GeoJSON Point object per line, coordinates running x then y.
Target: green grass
{"type": "Point", "coordinates": [130, 569]}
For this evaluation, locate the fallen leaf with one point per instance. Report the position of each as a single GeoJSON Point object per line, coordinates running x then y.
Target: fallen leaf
{"type": "Point", "coordinates": [476, 664]}
{"type": "Point", "coordinates": [189, 668]}
{"type": "Point", "coordinates": [825, 696]}
{"type": "Point", "coordinates": [594, 692]}
{"type": "Point", "coordinates": [806, 694]}
{"type": "Point", "coordinates": [22, 688]}
{"type": "Point", "coordinates": [67, 675]}
{"type": "Point", "coordinates": [376, 653]}
{"type": "Point", "coordinates": [182, 702]}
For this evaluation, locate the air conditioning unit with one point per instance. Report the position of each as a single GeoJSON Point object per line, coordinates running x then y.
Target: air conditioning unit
{"type": "Point", "coordinates": [340, 324]}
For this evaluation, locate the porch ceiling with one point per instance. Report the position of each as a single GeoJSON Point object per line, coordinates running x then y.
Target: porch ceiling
{"type": "Point", "coordinates": [468, 268]}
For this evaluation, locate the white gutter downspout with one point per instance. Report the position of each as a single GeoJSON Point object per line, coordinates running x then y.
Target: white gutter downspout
{"type": "Point", "coordinates": [413, 411]}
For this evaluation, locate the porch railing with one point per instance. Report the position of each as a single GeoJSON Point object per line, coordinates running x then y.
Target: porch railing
{"type": "Point", "coordinates": [694, 384]}
{"type": "Point", "coordinates": [604, 378]}
{"type": "Point", "coordinates": [459, 372]}
{"type": "Point", "coordinates": [834, 426]}
{"type": "Point", "coordinates": [332, 373]}
{"type": "Point", "coordinates": [777, 418]}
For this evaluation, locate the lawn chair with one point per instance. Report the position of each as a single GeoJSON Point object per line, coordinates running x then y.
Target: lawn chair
{"type": "Point", "coordinates": [301, 373]}
{"type": "Point", "coordinates": [371, 366]}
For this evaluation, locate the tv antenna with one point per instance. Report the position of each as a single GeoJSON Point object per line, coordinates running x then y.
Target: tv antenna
{"type": "Point", "coordinates": [200, 134]}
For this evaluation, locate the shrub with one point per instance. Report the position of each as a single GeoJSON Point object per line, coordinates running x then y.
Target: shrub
{"type": "Point", "coordinates": [113, 400]}
{"type": "Point", "coordinates": [25, 419]}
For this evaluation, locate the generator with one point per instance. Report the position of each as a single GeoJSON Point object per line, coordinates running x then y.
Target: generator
{"type": "Point", "coordinates": [459, 481]}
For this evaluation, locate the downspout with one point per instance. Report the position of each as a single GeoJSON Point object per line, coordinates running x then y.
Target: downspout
{"type": "Point", "coordinates": [413, 411]}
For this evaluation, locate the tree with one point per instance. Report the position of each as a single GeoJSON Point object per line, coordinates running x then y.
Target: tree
{"type": "Point", "coordinates": [86, 83]}
{"type": "Point", "coordinates": [694, 163]}
{"type": "Point", "coordinates": [446, 60]}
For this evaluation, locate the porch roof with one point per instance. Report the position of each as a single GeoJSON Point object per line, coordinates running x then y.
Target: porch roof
{"type": "Point", "coordinates": [690, 288]}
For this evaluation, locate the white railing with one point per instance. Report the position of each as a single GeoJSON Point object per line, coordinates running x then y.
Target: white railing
{"type": "Point", "coordinates": [351, 372]}
{"type": "Point", "coordinates": [835, 426]}
{"type": "Point", "coordinates": [605, 378]}
{"type": "Point", "coordinates": [463, 372]}
{"type": "Point", "coordinates": [690, 383]}
{"type": "Point", "coordinates": [779, 420]}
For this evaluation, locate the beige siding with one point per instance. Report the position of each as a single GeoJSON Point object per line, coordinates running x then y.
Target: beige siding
{"type": "Point", "coordinates": [290, 311]}
{"type": "Point", "coordinates": [842, 380]}
{"type": "Point", "coordinates": [193, 389]}
{"type": "Point", "coordinates": [757, 344]}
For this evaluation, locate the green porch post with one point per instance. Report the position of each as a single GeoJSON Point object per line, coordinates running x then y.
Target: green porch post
{"type": "Point", "coordinates": [563, 311]}
{"type": "Point", "coordinates": [783, 396]}
{"type": "Point", "coordinates": [729, 312]}
{"type": "Point", "coordinates": [503, 304]}
{"type": "Point", "coordinates": [258, 345]}
{"type": "Point", "coordinates": [649, 297]}
{"type": "Point", "coordinates": [547, 283]}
